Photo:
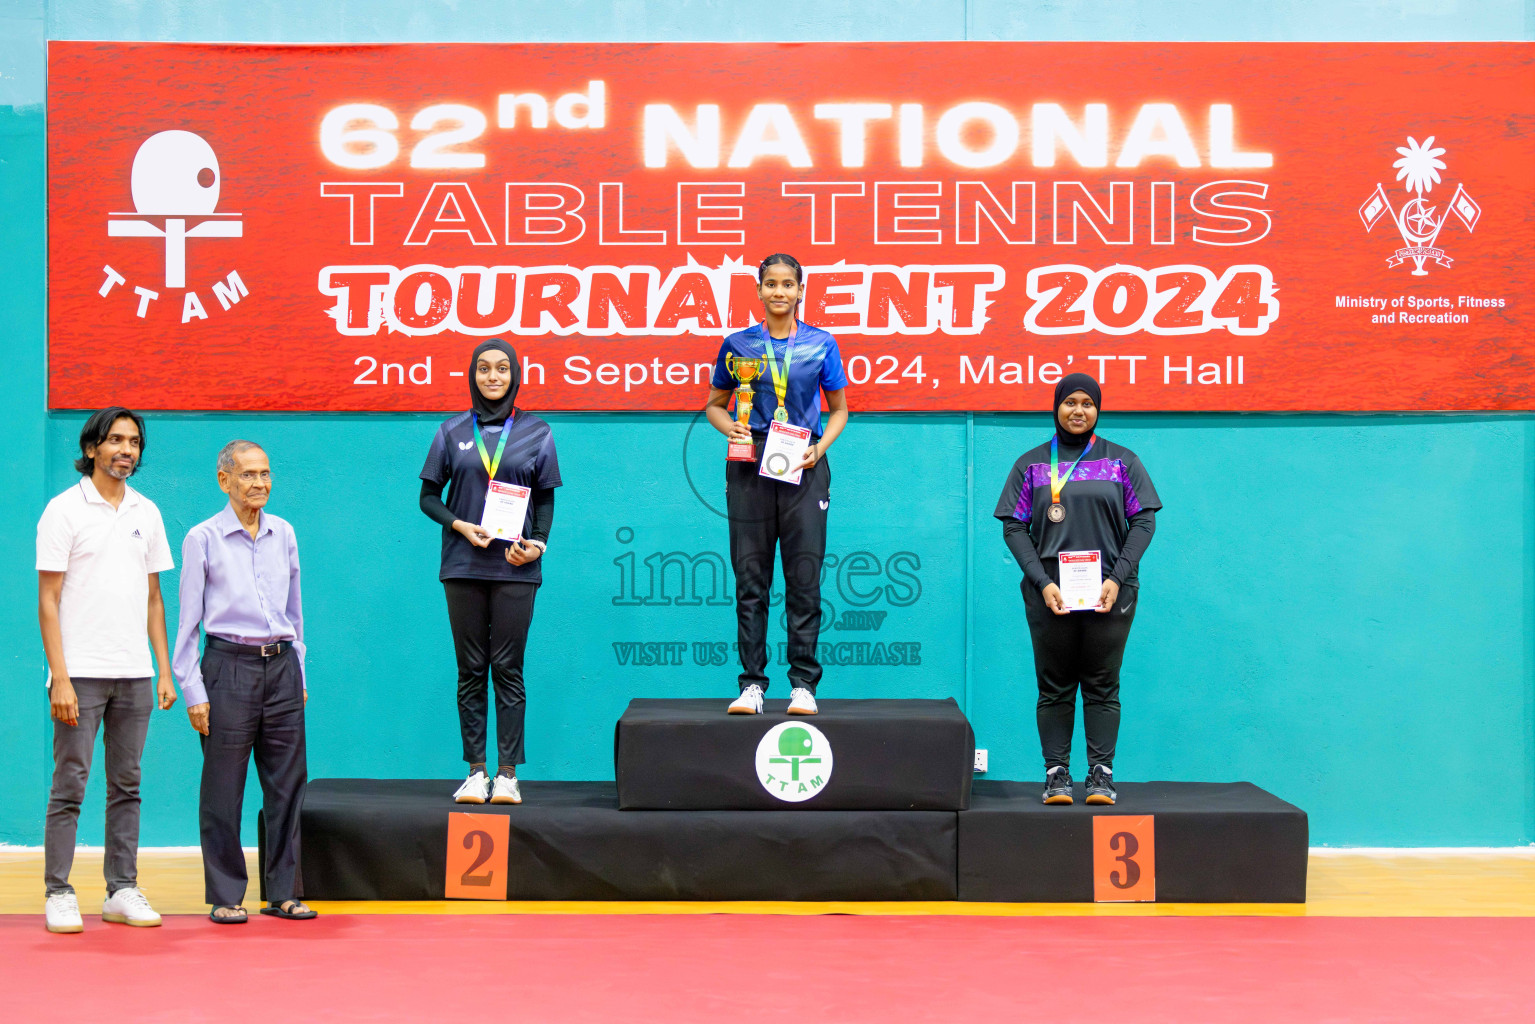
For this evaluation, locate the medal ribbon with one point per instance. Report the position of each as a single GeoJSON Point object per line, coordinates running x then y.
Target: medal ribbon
{"type": "Point", "coordinates": [479, 442]}
{"type": "Point", "coordinates": [1056, 480]}
{"type": "Point", "coordinates": [780, 381]}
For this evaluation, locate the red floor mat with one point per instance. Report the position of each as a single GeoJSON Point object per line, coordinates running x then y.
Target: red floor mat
{"type": "Point", "coordinates": [796, 970]}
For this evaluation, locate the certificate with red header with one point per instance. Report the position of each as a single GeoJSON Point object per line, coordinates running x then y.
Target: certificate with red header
{"type": "Point", "coordinates": [783, 452]}
{"type": "Point", "coordinates": [506, 509]}
{"type": "Point", "coordinates": [1081, 579]}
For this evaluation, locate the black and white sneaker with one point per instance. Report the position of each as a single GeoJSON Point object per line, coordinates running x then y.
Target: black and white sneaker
{"type": "Point", "coordinates": [1058, 785]}
{"type": "Point", "coordinates": [1100, 785]}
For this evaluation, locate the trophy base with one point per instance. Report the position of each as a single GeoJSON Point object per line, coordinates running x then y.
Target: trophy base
{"type": "Point", "coordinates": [741, 453]}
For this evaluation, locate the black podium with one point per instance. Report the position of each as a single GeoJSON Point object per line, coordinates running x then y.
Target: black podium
{"type": "Point", "coordinates": [867, 755]}
{"type": "Point", "coordinates": [373, 839]}
{"type": "Point", "coordinates": [867, 801]}
{"type": "Point", "coordinates": [1202, 842]}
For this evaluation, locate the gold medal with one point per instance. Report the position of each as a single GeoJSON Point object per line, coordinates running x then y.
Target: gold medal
{"type": "Point", "coordinates": [780, 380]}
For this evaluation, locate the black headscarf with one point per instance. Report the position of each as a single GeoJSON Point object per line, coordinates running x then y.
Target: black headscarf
{"type": "Point", "coordinates": [1074, 382]}
{"type": "Point", "coordinates": [493, 412]}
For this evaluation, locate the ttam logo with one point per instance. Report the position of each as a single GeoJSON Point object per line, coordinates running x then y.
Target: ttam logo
{"type": "Point", "coordinates": [794, 761]}
{"type": "Point", "coordinates": [175, 182]}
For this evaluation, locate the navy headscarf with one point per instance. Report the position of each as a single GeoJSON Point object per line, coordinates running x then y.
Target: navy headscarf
{"type": "Point", "coordinates": [1074, 382]}
{"type": "Point", "coordinates": [493, 412]}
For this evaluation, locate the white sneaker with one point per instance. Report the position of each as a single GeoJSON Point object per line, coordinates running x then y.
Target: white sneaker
{"type": "Point", "coordinates": [749, 703]}
{"type": "Point", "coordinates": [802, 702]}
{"type": "Point", "coordinates": [63, 913]}
{"type": "Point", "coordinates": [130, 906]}
{"type": "Point", "coordinates": [506, 791]}
{"type": "Point", "coordinates": [475, 790]}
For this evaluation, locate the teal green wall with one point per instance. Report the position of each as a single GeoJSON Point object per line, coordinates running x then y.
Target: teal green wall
{"type": "Point", "coordinates": [23, 750]}
{"type": "Point", "coordinates": [1348, 656]}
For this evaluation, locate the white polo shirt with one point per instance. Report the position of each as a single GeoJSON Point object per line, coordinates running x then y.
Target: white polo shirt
{"type": "Point", "coordinates": [106, 555]}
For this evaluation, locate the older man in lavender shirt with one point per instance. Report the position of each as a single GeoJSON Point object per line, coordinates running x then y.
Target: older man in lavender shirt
{"type": "Point", "coordinates": [240, 583]}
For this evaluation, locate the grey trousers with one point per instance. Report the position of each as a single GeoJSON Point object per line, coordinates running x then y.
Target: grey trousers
{"type": "Point", "coordinates": [254, 704]}
{"type": "Point", "coordinates": [124, 706]}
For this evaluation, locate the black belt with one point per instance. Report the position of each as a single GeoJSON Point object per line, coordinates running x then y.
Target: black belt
{"type": "Point", "coordinates": [271, 650]}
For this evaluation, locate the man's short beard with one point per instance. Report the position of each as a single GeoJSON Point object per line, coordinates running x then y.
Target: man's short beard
{"type": "Point", "coordinates": [119, 474]}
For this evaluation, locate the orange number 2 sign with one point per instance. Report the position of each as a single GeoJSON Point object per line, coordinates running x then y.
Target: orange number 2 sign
{"type": "Point", "coordinates": [1124, 858]}
{"type": "Point", "coordinates": [476, 856]}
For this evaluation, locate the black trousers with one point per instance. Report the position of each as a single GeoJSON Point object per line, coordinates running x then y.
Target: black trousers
{"type": "Point", "coordinates": [766, 514]}
{"type": "Point", "coordinates": [254, 703]}
{"type": "Point", "coordinates": [1081, 649]}
{"type": "Point", "coordinates": [490, 623]}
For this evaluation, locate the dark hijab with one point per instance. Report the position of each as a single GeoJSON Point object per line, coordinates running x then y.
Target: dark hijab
{"type": "Point", "coordinates": [493, 412]}
{"type": "Point", "coordinates": [1074, 382]}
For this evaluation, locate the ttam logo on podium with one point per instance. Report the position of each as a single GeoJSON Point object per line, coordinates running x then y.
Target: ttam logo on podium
{"type": "Point", "coordinates": [175, 183]}
{"type": "Point", "coordinates": [794, 761]}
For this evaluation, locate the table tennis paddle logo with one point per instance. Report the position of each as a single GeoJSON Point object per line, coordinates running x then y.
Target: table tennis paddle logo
{"type": "Point", "coordinates": [794, 761]}
{"type": "Point", "coordinates": [1419, 222]}
{"type": "Point", "coordinates": [175, 183]}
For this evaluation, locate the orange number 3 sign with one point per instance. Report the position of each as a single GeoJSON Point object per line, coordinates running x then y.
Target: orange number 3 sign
{"type": "Point", "coordinates": [1124, 858]}
{"type": "Point", "coordinates": [476, 856]}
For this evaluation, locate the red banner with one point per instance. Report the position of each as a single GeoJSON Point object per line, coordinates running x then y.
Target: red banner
{"type": "Point", "coordinates": [1202, 226]}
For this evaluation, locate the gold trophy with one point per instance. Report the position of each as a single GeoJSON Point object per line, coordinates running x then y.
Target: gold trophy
{"type": "Point", "coordinates": [744, 370]}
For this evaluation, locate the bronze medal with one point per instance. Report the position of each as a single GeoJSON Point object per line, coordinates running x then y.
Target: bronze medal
{"type": "Point", "coordinates": [1057, 511]}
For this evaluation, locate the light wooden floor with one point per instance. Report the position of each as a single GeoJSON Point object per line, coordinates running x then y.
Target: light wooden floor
{"type": "Point", "coordinates": [1341, 884]}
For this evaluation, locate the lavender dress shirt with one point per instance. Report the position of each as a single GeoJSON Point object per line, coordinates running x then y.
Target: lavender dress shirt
{"type": "Point", "coordinates": [237, 588]}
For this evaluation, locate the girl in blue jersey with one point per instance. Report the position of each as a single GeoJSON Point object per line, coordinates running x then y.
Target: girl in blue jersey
{"type": "Point", "coordinates": [768, 513]}
{"type": "Point", "coordinates": [1078, 493]}
{"type": "Point", "coordinates": [490, 584]}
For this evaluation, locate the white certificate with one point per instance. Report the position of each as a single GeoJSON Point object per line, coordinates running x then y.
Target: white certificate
{"type": "Point", "coordinates": [783, 451]}
{"type": "Point", "coordinates": [1081, 579]}
{"type": "Point", "coordinates": [506, 509]}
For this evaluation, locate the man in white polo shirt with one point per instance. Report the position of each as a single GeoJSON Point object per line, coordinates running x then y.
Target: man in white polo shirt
{"type": "Point", "coordinates": [100, 546]}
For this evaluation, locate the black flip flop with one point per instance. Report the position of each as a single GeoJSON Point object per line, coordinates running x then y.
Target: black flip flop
{"type": "Point", "coordinates": [282, 911]}
{"type": "Point", "coordinates": [213, 915]}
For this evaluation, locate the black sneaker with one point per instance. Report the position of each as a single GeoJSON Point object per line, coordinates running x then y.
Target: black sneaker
{"type": "Point", "coordinates": [1058, 786]}
{"type": "Point", "coordinates": [1100, 785]}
